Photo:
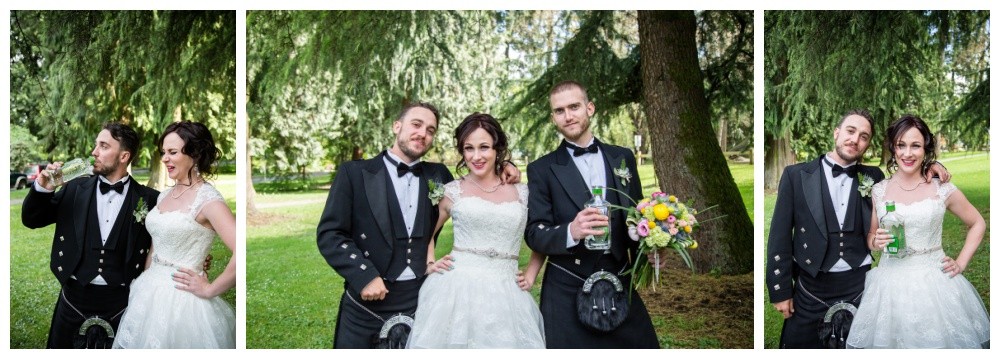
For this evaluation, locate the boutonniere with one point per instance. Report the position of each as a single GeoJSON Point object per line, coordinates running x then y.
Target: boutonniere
{"type": "Point", "coordinates": [623, 173]}
{"type": "Point", "coordinates": [435, 191]}
{"type": "Point", "coordinates": [140, 211]}
{"type": "Point", "coordinates": [865, 184]}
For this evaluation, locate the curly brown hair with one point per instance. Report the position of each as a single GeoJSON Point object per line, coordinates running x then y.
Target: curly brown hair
{"type": "Point", "coordinates": [491, 126]}
{"type": "Point", "coordinates": [897, 129]}
{"type": "Point", "coordinates": [198, 144]}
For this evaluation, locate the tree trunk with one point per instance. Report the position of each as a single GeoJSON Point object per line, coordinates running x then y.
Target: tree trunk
{"type": "Point", "coordinates": [687, 158]}
{"type": "Point", "coordinates": [775, 161]}
{"type": "Point", "coordinates": [723, 134]}
{"type": "Point", "coordinates": [157, 171]}
{"type": "Point", "coordinates": [251, 193]}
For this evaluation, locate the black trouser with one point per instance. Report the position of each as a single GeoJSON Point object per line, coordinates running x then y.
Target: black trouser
{"type": "Point", "coordinates": [358, 329]}
{"type": "Point", "coordinates": [801, 330]}
{"type": "Point", "coordinates": [105, 301]}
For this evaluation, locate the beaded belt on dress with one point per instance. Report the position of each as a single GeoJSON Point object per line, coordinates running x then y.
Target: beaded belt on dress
{"type": "Point", "coordinates": [158, 260]}
{"type": "Point", "coordinates": [492, 253]}
{"type": "Point", "coordinates": [909, 252]}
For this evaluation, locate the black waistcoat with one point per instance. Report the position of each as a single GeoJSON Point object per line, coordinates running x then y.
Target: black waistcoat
{"type": "Point", "coordinates": [847, 242]}
{"type": "Point", "coordinates": [407, 250]}
{"type": "Point", "coordinates": [106, 259]}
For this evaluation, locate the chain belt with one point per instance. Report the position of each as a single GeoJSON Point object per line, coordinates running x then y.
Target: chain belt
{"type": "Point", "coordinates": [910, 252]}
{"type": "Point", "coordinates": [492, 253]}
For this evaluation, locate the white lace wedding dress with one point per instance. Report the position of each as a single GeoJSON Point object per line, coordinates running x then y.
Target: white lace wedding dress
{"type": "Point", "coordinates": [478, 304]}
{"type": "Point", "coordinates": [161, 316]}
{"type": "Point", "coordinates": [908, 302]}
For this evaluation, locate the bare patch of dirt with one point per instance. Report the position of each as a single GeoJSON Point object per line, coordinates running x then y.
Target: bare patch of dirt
{"type": "Point", "coordinates": [702, 310]}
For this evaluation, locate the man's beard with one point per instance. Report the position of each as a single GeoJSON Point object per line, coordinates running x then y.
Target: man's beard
{"type": "Point", "coordinates": [845, 157]}
{"type": "Point", "coordinates": [104, 170]}
{"type": "Point", "coordinates": [409, 152]}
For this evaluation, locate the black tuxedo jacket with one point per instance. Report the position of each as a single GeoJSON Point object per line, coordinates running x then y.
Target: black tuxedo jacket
{"type": "Point", "coordinates": [68, 209]}
{"type": "Point", "coordinates": [798, 237]}
{"type": "Point", "coordinates": [557, 192]}
{"type": "Point", "coordinates": [355, 233]}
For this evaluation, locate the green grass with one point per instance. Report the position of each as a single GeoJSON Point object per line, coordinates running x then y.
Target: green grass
{"type": "Point", "coordinates": [293, 294]}
{"type": "Point", "coordinates": [33, 289]}
{"type": "Point", "coordinates": [971, 175]}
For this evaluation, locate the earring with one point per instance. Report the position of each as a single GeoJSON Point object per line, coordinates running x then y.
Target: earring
{"type": "Point", "coordinates": [196, 172]}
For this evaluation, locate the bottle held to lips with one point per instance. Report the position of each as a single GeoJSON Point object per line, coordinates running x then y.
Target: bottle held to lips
{"type": "Point", "coordinates": [71, 170]}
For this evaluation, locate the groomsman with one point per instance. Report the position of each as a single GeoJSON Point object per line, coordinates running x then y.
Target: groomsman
{"type": "Point", "coordinates": [817, 252]}
{"type": "Point", "coordinates": [559, 184]}
{"type": "Point", "coordinates": [98, 247]}
{"type": "Point", "coordinates": [376, 225]}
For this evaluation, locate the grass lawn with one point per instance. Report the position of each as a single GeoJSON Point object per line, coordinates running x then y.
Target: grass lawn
{"type": "Point", "coordinates": [971, 174]}
{"type": "Point", "coordinates": [293, 294]}
{"type": "Point", "coordinates": [33, 288]}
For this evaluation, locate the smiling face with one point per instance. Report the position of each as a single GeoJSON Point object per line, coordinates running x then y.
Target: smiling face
{"type": "Point", "coordinates": [852, 138]}
{"type": "Point", "coordinates": [177, 162]}
{"type": "Point", "coordinates": [414, 133]}
{"type": "Point", "coordinates": [571, 111]}
{"type": "Point", "coordinates": [110, 160]}
{"type": "Point", "coordinates": [479, 153]}
{"type": "Point", "coordinates": [910, 151]}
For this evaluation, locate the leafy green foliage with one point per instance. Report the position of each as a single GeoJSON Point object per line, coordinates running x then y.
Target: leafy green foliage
{"type": "Point", "coordinates": [80, 69]}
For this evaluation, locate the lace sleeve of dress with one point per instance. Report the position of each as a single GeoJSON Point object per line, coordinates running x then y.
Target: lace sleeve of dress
{"type": "Point", "coordinates": [944, 189]}
{"type": "Point", "coordinates": [206, 194]}
{"type": "Point", "coordinates": [878, 191]}
{"type": "Point", "coordinates": [453, 190]}
{"type": "Point", "coordinates": [163, 195]}
{"type": "Point", "coordinates": [522, 193]}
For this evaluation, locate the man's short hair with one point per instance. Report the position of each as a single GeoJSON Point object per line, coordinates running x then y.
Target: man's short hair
{"type": "Point", "coordinates": [859, 112]}
{"type": "Point", "coordinates": [411, 105]}
{"type": "Point", "coordinates": [568, 85]}
{"type": "Point", "coordinates": [125, 136]}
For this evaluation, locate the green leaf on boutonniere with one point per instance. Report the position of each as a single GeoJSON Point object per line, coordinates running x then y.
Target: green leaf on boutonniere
{"type": "Point", "coordinates": [623, 173]}
{"type": "Point", "coordinates": [865, 184]}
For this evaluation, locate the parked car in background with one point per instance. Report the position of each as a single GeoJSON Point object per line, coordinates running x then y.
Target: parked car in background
{"type": "Point", "coordinates": [31, 172]}
{"type": "Point", "coordinates": [18, 180]}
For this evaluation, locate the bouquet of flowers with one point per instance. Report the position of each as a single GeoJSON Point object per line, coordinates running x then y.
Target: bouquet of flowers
{"type": "Point", "coordinates": [659, 221]}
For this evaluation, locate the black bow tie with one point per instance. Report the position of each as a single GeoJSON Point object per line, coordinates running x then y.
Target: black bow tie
{"type": "Point", "coordinates": [402, 168]}
{"type": "Point", "coordinates": [851, 171]}
{"type": "Point", "coordinates": [580, 151]}
{"type": "Point", "coordinates": [118, 187]}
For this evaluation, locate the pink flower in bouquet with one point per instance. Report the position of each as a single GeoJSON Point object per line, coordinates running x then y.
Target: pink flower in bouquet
{"type": "Point", "coordinates": [682, 223]}
{"type": "Point", "coordinates": [643, 228]}
{"type": "Point", "coordinates": [673, 231]}
{"type": "Point", "coordinates": [671, 219]}
{"type": "Point", "coordinates": [657, 195]}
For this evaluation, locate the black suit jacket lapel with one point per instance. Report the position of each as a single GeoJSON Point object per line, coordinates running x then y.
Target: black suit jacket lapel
{"type": "Point", "coordinates": [85, 203]}
{"type": "Point", "coordinates": [812, 186]}
{"type": "Point", "coordinates": [569, 177]}
{"type": "Point", "coordinates": [375, 178]}
{"type": "Point", "coordinates": [423, 204]}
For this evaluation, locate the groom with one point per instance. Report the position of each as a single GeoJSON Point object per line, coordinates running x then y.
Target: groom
{"type": "Point", "coordinates": [376, 225]}
{"type": "Point", "coordinates": [817, 252]}
{"type": "Point", "coordinates": [99, 246]}
{"type": "Point", "coordinates": [559, 184]}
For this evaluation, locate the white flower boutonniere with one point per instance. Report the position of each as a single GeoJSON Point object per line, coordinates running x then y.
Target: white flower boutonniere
{"type": "Point", "coordinates": [435, 192]}
{"type": "Point", "coordinates": [140, 211]}
{"type": "Point", "coordinates": [623, 173]}
{"type": "Point", "coordinates": [865, 184]}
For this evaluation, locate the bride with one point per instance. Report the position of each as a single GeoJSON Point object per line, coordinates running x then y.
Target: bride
{"type": "Point", "coordinates": [475, 297]}
{"type": "Point", "coordinates": [920, 300]}
{"type": "Point", "coordinates": [183, 310]}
